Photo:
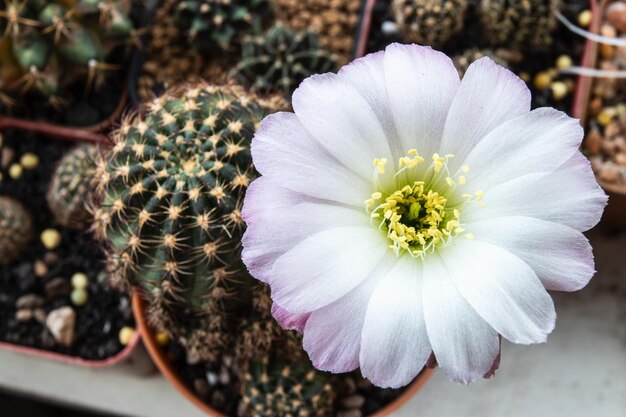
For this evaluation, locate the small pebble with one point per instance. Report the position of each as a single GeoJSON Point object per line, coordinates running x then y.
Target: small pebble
{"type": "Point", "coordinates": [15, 171]}
{"type": "Point", "coordinates": [201, 387]}
{"type": "Point", "coordinates": [41, 269]}
{"type": "Point", "coordinates": [559, 90]}
{"type": "Point", "coordinates": [57, 288]}
{"type": "Point", "coordinates": [60, 323]}
{"type": "Point", "coordinates": [29, 161]}
{"type": "Point", "coordinates": [51, 258]}
{"type": "Point", "coordinates": [51, 238]}
{"type": "Point", "coordinates": [564, 62]}
{"type": "Point", "coordinates": [389, 27]}
{"type": "Point", "coordinates": [29, 301]}
{"type": "Point", "coordinates": [40, 315]}
{"type": "Point", "coordinates": [616, 15]}
{"type": "Point", "coordinates": [162, 338]}
{"type": "Point", "coordinates": [126, 335]}
{"type": "Point", "coordinates": [542, 80]}
{"type": "Point", "coordinates": [79, 297]}
{"type": "Point", "coordinates": [211, 378]}
{"type": "Point", "coordinates": [24, 315]}
{"type": "Point", "coordinates": [353, 401]}
{"type": "Point", "coordinates": [6, 157]}
{"type": "Point", "coordinates": [80, 281]}
{"type": "Point", "coordinates": [607, 51]}
{"type": "Point", "coordinates": [584, 18]}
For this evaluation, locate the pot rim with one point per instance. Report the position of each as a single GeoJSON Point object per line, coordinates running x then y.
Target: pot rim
{"type": "Point", "coordinates": [165, 367]}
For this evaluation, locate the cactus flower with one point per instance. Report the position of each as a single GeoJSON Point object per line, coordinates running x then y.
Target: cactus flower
{"type": "Point", "coordinates": [403, 213]}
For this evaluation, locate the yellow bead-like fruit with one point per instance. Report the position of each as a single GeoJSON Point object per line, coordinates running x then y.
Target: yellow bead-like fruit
{"type": "Point", "coordinates": [605, 116]}
{"type": "Point", "coordinates": [15, 171]}
{"type": "Point", "coordinates": [559, 90]}
{"type": "Point", "coordinates": [564, 61]}
{"type": "Point", "coordinates": [584, 18]}
{"type": "Point", "coordinates": [80, 281]}
{"type": "Point", "coordinates": [162, 338]}
{"type": "Point", "coordinates": [51, 238]}
{"type": "Point", "coordinates": [79, 297]}
{"type": "Point", "coordinates": [126, 335]}
{"type": "Point", "coordinates": [542, 80]}
{"type": "Point", "coordinates": [29, 161]}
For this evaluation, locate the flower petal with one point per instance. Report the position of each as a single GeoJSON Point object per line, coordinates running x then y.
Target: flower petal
{"type": "Point", "coordinates": [325, 267]}
{"type": "Point", "coordinates": [421, 84]}
{"type": "Point", "coordinates": [502, 289]}
{"type": "Point", "coordinates": [488, 96]}
{"type": "Point", "coordinates": [394, 343]}
{"type": "Point", "coordinates": [560, 256]}
{"type": "Point", "coordinates": [278, 219]}
{"type": "Point", "coordinates": [465, 346]}
{"type": "Point", "coordinates": [332, 335]}
{"type": "Point", "coordinates": [342, 121]}
{"type": "Point", "coordinates": [539, 141]}
{"type": "Point", "coordinates": [283, 149]}
{"type": "Point", "coordinates": [570, 196]}
{"type": "Point", "coordinates": [289, 321]}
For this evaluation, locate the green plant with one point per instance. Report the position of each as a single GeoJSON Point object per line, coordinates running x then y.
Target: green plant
{"type": "Point", "coordinates": [429, 22]}
{"type": "Point", "coordinates": [170, 196]}
{"type": "Point", "coordinates": [519, 23]}
{"type": "Point", "coordinates": [53, 43]}
{"type": "Point", "coordinates": [281, 59]}
{"type": "Point", "coordinates": [16, 229]}
{"type": "Point", "coordinates": [463, 60]}
{"type": "Point", "coordinates": [71, 187]}
{"type": "Point", "coordinates": [221, 23]}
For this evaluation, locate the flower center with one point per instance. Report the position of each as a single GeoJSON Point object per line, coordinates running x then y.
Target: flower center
{"type": "Point", "coordinates": [421, 214]}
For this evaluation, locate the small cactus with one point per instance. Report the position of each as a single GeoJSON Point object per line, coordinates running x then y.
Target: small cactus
{"type": "Point", "coordinates": [429, 22]}
{"type": "Point", "coordinates": [280, 60]}
{"type": "Point", "coordinates": [53, 43]}
{"type": "Point", "coordinates": [71, 186]}
{"type": "Point", "coordinates": [170, 195]}
{"type": "Point", "coordinates": [221, 23]}
{"type": "Point", "coordinates": [16, 229]}
{"type": "Point", "coordinates": [519, 23]}
{"type": "Point", "coordinates": [463, 60]}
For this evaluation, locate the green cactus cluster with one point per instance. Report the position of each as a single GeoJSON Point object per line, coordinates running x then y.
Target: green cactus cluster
{"type": "Point", "coordinates": [71, 187]}
{"type": "Point", "coordinates": [429, 22]}
{"type": "Point", "coordinates": [222, 23]}
{"type": "Point", "coordinates": [519, 23]}
{"type": "Point", "coordinates": [16, 229]}
{"type": "Point", "coordinates": [281, 59]}
{"type": "Point", "coordinates": [50, 44]}
{"type": "Point", "coordinates": [463, 60]}
{"type": "Point", "coordinates": [170, 194]}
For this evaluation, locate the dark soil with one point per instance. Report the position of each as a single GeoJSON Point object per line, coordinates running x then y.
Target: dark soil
{"type": "Point", "coordinates": [565, 42]}
{"type": "Point", "coordinates": [99, 321]}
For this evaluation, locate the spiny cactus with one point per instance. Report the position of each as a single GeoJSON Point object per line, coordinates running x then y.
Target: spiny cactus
{"type": "Point", "coordinates": [281, 59]}
{"type": "Point", "coordinates": [16, 229]}
{"type": "Point", "coordinates": [71, 187]}
{"type": "Point", "coordinates": [221, 23]}
{"type": "Point", "coordinates": [463, 60]}
{"type": "Point", "coordinates": [281, 388]}
{"type": "Point", "coordinates": [429, 22]}
{"type": "Point", "coordinates": [519, 23]}
{"type": "Point", "coordinates": [53, 43]}
{"type": "Point", "coordinates": [171, 192]}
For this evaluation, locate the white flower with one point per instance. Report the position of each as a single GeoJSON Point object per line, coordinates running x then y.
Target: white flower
{"type": "Point", "coordinates": [402, 212]}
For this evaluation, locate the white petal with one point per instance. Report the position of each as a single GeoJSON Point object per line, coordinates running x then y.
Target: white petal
{"type": "Point", "coordinates": [570, 196]}
{"type": "Point", "coordinates": [464, 344]}
{"type": "Point", "coordinates": [488, 96]}
{"type": "Point", "coordinates": [289, 321]}
{"type": "Point", "coordinates": [283, 149]}
{"type": "Point", "coordinates": [421, 84]}
{"type": "Point", "coordinates": [278, 219]}
{"type": "Point", "coordinates": [326, 266]}
{"type": "Point", "coordinates": [394, 343]}
{"type": "Point", "coordinates": [332, 335]}
{"type": "Point", "coordinates": [341, 120]}
{"type": "Point", "coordinates": [539, 141]}
{"type": "Point", "coordinates": [560, 256]}
{"type": "Point", "coordinates": [502, 289]}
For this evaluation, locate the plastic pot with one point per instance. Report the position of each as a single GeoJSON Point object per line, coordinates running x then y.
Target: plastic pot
{"type": "Point", "coordinates": [159, 356]}
{"type": "Point", "coordinates": [615, 212]}
{"type": "Point", "coordinates": [72, 135]}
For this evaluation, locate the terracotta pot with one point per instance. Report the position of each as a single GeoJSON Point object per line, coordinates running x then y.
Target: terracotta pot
{"type": "Point", "coordinates": [162, 362]}
{"type": "Point", "coordinates": [67, 134]}
{"type": "Point", "coordinates": [615, 213]}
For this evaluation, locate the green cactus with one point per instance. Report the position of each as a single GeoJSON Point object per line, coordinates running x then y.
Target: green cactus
{"type": "Point", "coordinates": [170, 196]}
{"type": "Point", "coordinates": [54, 43]}
{"type": "Point", "coordinates": [16, 229]}
{"type": "Point", "coordinates": [71, 187]}
{"type": "Point", "coordinates": [221, 23]}
{"type": "Point", "coordinates": [280, 60]}
{"type": "Point", "coordinates": [280, 388]}
{"type": "Point", "coordinates": [463, 60]}
{"type": "Point", "coordinates": [429, 22]}
{"type": "Point", "coordinates": [519, 23]}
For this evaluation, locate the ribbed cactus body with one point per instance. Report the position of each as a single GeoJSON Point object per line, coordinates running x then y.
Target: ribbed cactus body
{"type": "Point", "coordinates": [221, 23]}
{"type": "Point", "coordinates": [519, 23]}
{"type": "Point", "coordinates": [463, 60]}
{"type": "Point", "coordinates": [171, 191]}
{"type": "Point", "coordinates": [16, 229]}
{"type": "Point", "coordinates": [429, 22]}
{"type": "Point", "coordinates": [281, 59]}
{"type": "Point", "coordinates": [71, 187]}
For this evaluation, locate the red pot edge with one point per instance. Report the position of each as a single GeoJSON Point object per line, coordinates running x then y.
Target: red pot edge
{"type": "Point", "coordinates": [163, 364]}
{"type": "Point", "coordinates": [69, 134]}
